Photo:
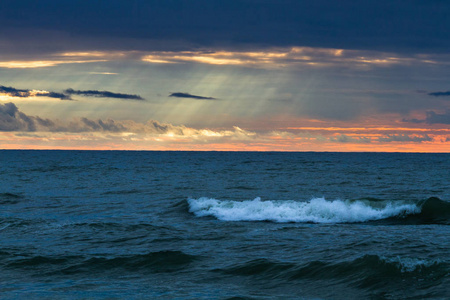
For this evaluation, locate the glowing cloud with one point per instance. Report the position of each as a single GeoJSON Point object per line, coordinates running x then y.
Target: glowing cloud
{"type": "Point", "coordinates": [283, 57]}
{"type": "Point", "coordinates": [32, 131]}
{"type": "Point", "coordinates": [13, 92]}
{"type": "Point", "coordinates": [263, 58]}
{"type": "Point", "coordinates": [41, 63]}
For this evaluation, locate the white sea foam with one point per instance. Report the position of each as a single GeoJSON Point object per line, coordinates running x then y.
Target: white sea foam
{"type": "Point", "coordinates": [317, 210]}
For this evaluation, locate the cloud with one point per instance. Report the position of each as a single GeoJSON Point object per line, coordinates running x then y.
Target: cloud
{"type": "Point", "coordinates": [343, 138]}
{"type": "Point", "coordinates": [405, 138]}
{"type": "Point", "coordinates": [313, 57]}
{"type": "Point", "coordinates": [415, 138]}
{"type": "Point", "coordinates": [19, 130]}
{"type": "Point", "coordinates": [439, 94]}
{"type": "Point", "coordinates": [415, 25]}
{"type": "Point", "coordinates": [25, 93]}
{"type": "Point", "coordinates": [11, 119]}
{"type": "Point", "coordinates": [432, 118]}
{"type": "Point", "coordinates": [435, 118]}
{"type": "Point", "coordinates": [32, 64]}
{"type": "Point", "coordinates": [103, 94]}
{"type": "Point", "coordinates": [13, 92]}
{"type": "Point", "coordinates": [186, 95]}
{"type": "Point", "coordinates": [417, 121]}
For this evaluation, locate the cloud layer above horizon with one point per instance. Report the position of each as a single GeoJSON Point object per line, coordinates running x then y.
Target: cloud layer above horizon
{"type": "Point", "coordinates": [127, 133]}
{"type": "Point", "coordinates": [245, 74]}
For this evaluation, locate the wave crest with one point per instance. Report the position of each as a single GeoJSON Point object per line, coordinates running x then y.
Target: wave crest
{"type": "Point", "coordinates": [161, 261]}
{"type": "Point", "coordinates": [366, 270]}
{"type": "Point", "coordinates": [317, 210]}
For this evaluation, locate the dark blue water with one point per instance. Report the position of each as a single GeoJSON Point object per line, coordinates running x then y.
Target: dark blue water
{"type": "Point", "coordinates": [190, 225]}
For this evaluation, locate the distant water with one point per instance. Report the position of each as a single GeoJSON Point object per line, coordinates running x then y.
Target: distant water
{"type": "Point", "coordinates": [223, 225]}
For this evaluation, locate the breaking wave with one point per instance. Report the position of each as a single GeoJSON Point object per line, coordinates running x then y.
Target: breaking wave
{"type": "Point", "coordinates": [319, 210]}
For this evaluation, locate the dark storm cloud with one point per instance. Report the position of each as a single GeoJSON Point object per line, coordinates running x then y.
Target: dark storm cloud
{"type": "Point", "coordinates": [396, 25]}
{"type": "Point", "coordinates": [103, 94]}
{"type": "Point", "coordinates": [186, 95]}
{"type": "Point", "coordinates": [439, 94]}
{"type": "Point", "coordinates": [432, 118]}
{"type": "Point", "coordinates": [13, 92]}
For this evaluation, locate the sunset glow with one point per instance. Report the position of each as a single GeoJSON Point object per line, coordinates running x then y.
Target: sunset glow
{"type": "Point", "coordinates": [295, 85]}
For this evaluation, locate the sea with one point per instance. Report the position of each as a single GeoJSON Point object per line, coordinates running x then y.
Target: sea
{"type": "Point", "coordinates": [224, 225]}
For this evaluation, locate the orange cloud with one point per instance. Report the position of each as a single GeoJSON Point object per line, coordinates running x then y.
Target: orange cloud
{"type": "Point", "coordinates": [232, 140]}
{"type": "Point", "coordinates": [20, 131]}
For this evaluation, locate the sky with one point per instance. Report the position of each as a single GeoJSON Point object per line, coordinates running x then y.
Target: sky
{"type": "Point", "coordinates": [241, 75]}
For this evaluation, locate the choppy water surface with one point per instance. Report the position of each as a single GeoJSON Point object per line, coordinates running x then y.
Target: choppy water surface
{"type": "Point", "coordinates": [218, 225]}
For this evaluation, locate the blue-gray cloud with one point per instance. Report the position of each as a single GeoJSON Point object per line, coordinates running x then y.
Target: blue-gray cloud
{"type": "Point", "coordinates": [405, 138]}
{"type": "Point", "coordinates": [343, 138]}
{"type": "Point", "coordinates": [103, 94]}
{"type": "Point", "coordinates": [187, 95]}
{"type": "Point", "coordinates": [25, 93]}
{"type": "Point", "coordinates": [13, 92]}
{"type": "Point", "coordinates": [436, 118]}
{"type": "Point", "coordinates": [440, 94]}
{"type": "Point", "coordinates": [12, 119]}
{"type": "Point", "coordinates": [396, 25]}
{"type": "Point", "coordinates": [432, 118]}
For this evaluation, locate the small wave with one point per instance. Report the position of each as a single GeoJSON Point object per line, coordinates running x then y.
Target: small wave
{"type": "Point", "coordinates": [4, 226]}
{"type": "Point", "coordinates": [240, 298]}
{"type": "Point", "coordinates": [435, 210]}
{"type": "Point", "coordinates": [10, 198]}
{"type": "Point", "coordinates": [41, 261]}
{"type": "Point", "coordinates": [373, 266]}
{"type": "Point", "coordinates": [409, 265]}
{"type": "Point", "coordinates": [263, 267]}
{"type": "Point", "coordinates": [162, 261]}
{"type": "Point", "coordinates": [18, 223]}
{"type": "Point", "coordinates": [317, 210]}
{"type": "Point", "coordinates": [183, 205]}
{"type": "Point", "coordinates": [10, 195]}
{"type": "Point", "coordinates": [123, 192]}
{"type": "Point", "coordinates": [431, 211]}
{"type": "Point", "coordinates": [102, 226]}
{"type": "Point", "coordinates": [366, 271]}
{"type": "Point", "coordinates": [242, 187]}
{"type": "Point", "coordinates": [54, 168]}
